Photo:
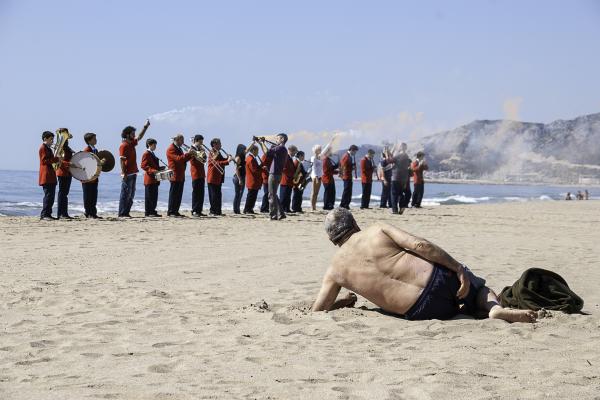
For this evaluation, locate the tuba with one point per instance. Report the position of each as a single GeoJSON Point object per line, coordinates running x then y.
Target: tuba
{"type": "Point", "coordinates": [62, 135]}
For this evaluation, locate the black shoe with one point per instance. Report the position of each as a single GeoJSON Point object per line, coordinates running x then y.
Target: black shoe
{"type": "Point", "coordinates": [282, 217]}
{"type": "Point", "coordinates": [249, 212]}
{"type": "Point", "coordinates": [48, 218]}
{"type": "Point", "coordinates": [156, 215]}
{"type": "Point", "coordinates": [96, 217]}
{"type": "Point", "coordinates": [65, 217]}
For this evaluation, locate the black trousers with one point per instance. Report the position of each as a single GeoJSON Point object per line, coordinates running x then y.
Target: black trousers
{"type": "Point", "coordinates": [406, 195]}
{"type": "Point", "coordinates": [175, 195]}
{"type": "Point", "coordinates": [48, 202]}
{"type": "Point", "coordinates": [90, 198]}
{"type": "Point", "coordinates": [151, 198]}
{"type": "Point", "coordinates": [418, 194]}
{"type": "Point", "coordinates": [346, 194]}
{"type": "Point", "coordinates": [251, 200]}
{"type": "Point", "coordinates": [215, 198]}
{"type": "Point", "coordinates": [400, 195]}
{"type": "Point", "coordinates": [386, 194]}
{"type": "Point", "coordinates": [197, 195]}
{"type": "Point", "coordinates": [239, 193]}
{"type": "Point", "coordinates": [285, 197]}
{"type": "Point", "coordinates": [328, 196]}
{"type": "Point", "coordinates": [64, 186]}
{"type": "Point", "coordinates": [366, 195]}
{"type": "Point", "coordinates": [297, 199]}
{"type": "Point", "coordinates": [264, 205]}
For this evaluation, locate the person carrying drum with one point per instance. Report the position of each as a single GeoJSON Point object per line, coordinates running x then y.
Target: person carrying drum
{"type": "Point", "coordinates": [129, 167]}
{"type": "Point", "coordinates": [150, 165]}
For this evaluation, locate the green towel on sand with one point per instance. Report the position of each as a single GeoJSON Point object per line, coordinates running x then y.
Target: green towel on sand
{"type": "Point", "coordinates": [538, 288]}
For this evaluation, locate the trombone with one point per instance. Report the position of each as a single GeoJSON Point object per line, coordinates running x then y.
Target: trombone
{"type": "Point", "coordinates": [211, 159]}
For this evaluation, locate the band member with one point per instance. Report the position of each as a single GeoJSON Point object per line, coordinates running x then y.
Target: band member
{"type": "Point", "coordinates": [385, 174]}
{"type": "Point", "coordinates": [346, 167]}
{"type": "Point", "coordinates": [90, 189]}
{"type": "Point", "coordinates": [253, 178]}
{"type": "Point", "coordinates": [367, 166]}
{"type": "Point", "coordinates": [150, 165]}
{"type": "Point", "coordinates": [198, 178]}
{"type": "Point", "coordinates": [64, 182]}
{"type": "Point", "coordinates": [47, 177]}
{"type": "Point", "coordinates": [287, 180]}
{"type": "Point", "coordinates": [299, 182]}
{"type": "Point", "coordinates": [316, 172]}
{"type": "Point", "coordinates": [279, 155]}
{"type": "Point", "coordinates": [418, 166]}
{"type": "Point", "coordinates": [401, 180]}
{"type": "Point", "coordinates": [329, 170]}
{"type": "Point", "coordinates": [265, 166]}
{"type": "Point", "coordinates": [129, 169]}
{"type": "Point", "coordinates": [239, 177]}
{"type": "Point", "coordinates": [216, 177]}
{"type": "Point", "coordinates": [177, 160]}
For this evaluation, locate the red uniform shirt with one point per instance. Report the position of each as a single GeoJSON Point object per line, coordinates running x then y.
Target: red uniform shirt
{"type": "Point", "coordinates": [418, 169]}
{"type": "Point", "coordinates": [287, 175]}
{"type": "Point", "coordinates": [89, 149]}
{"type": "Point", "coordinates": [47, 173]}
{"type": "Point", "coordinates": [177, 161]}
{"type": "Point", "coordinates": [328, 171]}
{"type": "Point", "coordinates": [63, 170]}
{"type": "Point", "coordinates": [127, 150]}
{"type": "Point", "coordinates": [253, 173]}
{"type": "Point", "coordinates": [150, 166]}
{"type": "Point", "coordinates": [266, 164]}
{"type": "Point", "coordinates": [366, 170]}
{"type": "Point", "coordinates": [214, 176]}
{"type": "Point", "coordinates": [196, 169]}
{"type": "Point", "coordinates": [346, 167]}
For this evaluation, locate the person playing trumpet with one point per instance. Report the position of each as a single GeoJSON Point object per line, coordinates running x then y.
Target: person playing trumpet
{"type": "Point", "coordinates": [177, 160]}
{"type": "Point", "coordinates": [216, 176]}
{"type": "Point", "coordinates": [129, 169]}
{"type": "Point", "coordinates": [198, 177]}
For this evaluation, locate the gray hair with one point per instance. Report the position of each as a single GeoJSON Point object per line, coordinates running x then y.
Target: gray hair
{"type": "Point", "coordinates": [338, 223]}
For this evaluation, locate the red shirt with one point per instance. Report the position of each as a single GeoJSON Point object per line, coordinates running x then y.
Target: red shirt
{"type": "Point", "coordinates": [63, 170]}
{"type": "Point", "coordinates": [214, 176]}
{"type": "Point", "coordinates": [328, 171]}
{"type": "Point", "coordinates": [127, 150]}
{"type": "Point", "coordinates": [346, 167]}
{"type": "Point", "coordinates": [89, 149]}
{"type": "Point", "coordinates": [47, 173]}
{"type": "Point", "coordinates": [177, 161]}
{"type": "Point", "coordinates": [287, 175]}
{"type": "Point", "coordinates": [266, 164]}
{"type": "Point", "coordinates": [366, 170]}
{"type": "Point", "coordinates": [253, 173]}
{"type": "Point", "coordinates": [150, 166]}
{"type": "Point", "coordinates": [196, 169]}
{"type": "Point", "coordinates": [418, 169]}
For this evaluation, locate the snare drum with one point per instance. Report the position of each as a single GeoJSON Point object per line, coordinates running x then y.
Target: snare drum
{"type": "Point", "coordinates": [165, 175]}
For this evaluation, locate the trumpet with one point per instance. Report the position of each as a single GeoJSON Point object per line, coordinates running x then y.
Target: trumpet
{"type": "Point", "coordinates": [199, 155]}
{"type": "Point", "coordinates": [211, 159]}
{"type": "Point", "coordinates": [62, 135]}
{"type": "Point", "coordinates": [263, 139]}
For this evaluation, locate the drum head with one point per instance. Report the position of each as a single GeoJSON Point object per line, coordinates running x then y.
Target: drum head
{"type": "Point", "coordinates": [109, 160]}
{"type": "Point", "coordinates": [85, 166]}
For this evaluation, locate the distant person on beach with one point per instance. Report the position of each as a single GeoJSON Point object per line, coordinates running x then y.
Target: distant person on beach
{"type": "Point", "coordinates": [198, 177]}
{"type": "Point", "coordinates": [239, 177]}
{"type": "Point", "coordinates": [63, 174]}
{"type": "Point", "coordinates": [150, 165]}
{"type": "Point", "coordinates": [215, 176]}
{"type": "Point", "coordinates": [279, 156]}
{"type": "Point", "coordinates": [367, 167]}
{"type": "Point", "coordinates": [347, 166]}
{"type": "Point", "coordinates": [129, 169]}
{"type": "Point", "coordinates": [401, 180]}
{"type": "Point", "coordinates": [47, 176]}
{"type": "Point", "coordinates": [177, 160]}
{"type": "Point", "coordinates": [287, 180]}
{"type": "Point", "coordinates": [385, 174]}
{"type": "Point", "coordinates": [417, 167]}
{"type": "Point", "coordinates": [253, 178]}
{"type": "Point", "coordinates": [328, 179]}
{"type": "Point", "coordinates": [568, 197]}
{"type": "Point", "coordinates": [299, 180]}
{"type": "Point", "coordinates": [403, 274]}
{"type": "Point", "coordinates": [316, 172]}
{"type": "Point", "coordinates": [90, 188]}
{"type": "Point", "coordinates": [586, 195]}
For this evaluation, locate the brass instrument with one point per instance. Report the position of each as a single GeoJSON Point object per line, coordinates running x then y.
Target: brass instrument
{"type": "Point", "coordinates": [263, 139]}
{"type": "Point", "coordinates": [211, 159]}
{"type": "Point", "coordinates": [199, 154]}
{"type": "Point", "coordinates": [62, 135]}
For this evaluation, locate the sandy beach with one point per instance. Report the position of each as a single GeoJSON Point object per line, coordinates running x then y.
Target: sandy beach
{"type": "Point", "coordinates": [218, 308]}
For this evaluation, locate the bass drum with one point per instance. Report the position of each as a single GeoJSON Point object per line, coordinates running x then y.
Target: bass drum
{"type": "Point", "coordinates": [85, 166]}
{"type": "Point", "coordinates": [109, 160]}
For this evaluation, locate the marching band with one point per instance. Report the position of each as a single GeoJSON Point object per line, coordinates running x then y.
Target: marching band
{"type": "Point", "coordinates": [281, 172]}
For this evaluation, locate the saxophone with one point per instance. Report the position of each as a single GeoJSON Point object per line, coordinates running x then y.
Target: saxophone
{"type": "Point", "coordinates": [62, 135]}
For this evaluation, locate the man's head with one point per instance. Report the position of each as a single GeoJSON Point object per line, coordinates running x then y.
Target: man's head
{"type": "Point", "coordinates": [282, 138]}
{"type": "Point", "coordinates": [90, 138]}
{"type": "Point", "coordinates": [253, 150]}
{"type": "Point", "coordinates": [198, 140]}
{"type": "Point", "coordinates": [215, 143]}
{"type": "Point", "coordinates": [353, 149]}
{"type": "Point", "coordinates": [340, 225]}
{"type": "Point", "coordinates": [128, 133]}
{"type": "Point", "coordinates": [300, 156]}
{"type": "Point", "coordinates": [151, 144]}
{"type": "Point", "coordinates": [370, 153]}
{"type": "Point", "coordinates": [420, 155]}
{"type": "Point", "coordinates": [292, 150]}
{"type": "Point", "coordinates": [178, 139]}
{"type": "Point", "coordinates": [47, 137]}
{"type": "Point", "coordinates": [316, 149]}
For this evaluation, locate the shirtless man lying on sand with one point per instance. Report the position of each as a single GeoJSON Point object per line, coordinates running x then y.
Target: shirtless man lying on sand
{"type": "Point", "coordinates": [403, 274]}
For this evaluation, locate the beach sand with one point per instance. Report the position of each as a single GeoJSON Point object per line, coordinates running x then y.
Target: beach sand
{"type": "Point", "coordinates": [217, 308]}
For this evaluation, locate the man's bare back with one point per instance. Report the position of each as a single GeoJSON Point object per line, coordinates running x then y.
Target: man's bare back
{"type": "Point", "coordinates": [393, 268]}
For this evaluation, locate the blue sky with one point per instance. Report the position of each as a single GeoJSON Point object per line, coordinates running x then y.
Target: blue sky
{"type": "Point", "coordinates": [376, 70]}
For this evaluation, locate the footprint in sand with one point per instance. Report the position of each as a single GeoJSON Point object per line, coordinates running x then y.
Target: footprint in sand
{"type": "Point", "coordinates": [160, 368]}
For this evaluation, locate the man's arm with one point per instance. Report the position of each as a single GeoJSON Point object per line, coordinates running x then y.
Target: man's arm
{"type": "Point", "coordinates": [430, 252]}
{"type": "Point", "coordinates": [144, 129]}
{"type": "Point", "coordinates": [327, 295]}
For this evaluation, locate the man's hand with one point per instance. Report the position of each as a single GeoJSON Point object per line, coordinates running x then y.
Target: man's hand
{"type": "Point", "coordinates": [351, 299]}
{"type": "Point", "coordinates": [465, 283]}
{"type": "Point", "coordinates": [147, 124]}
